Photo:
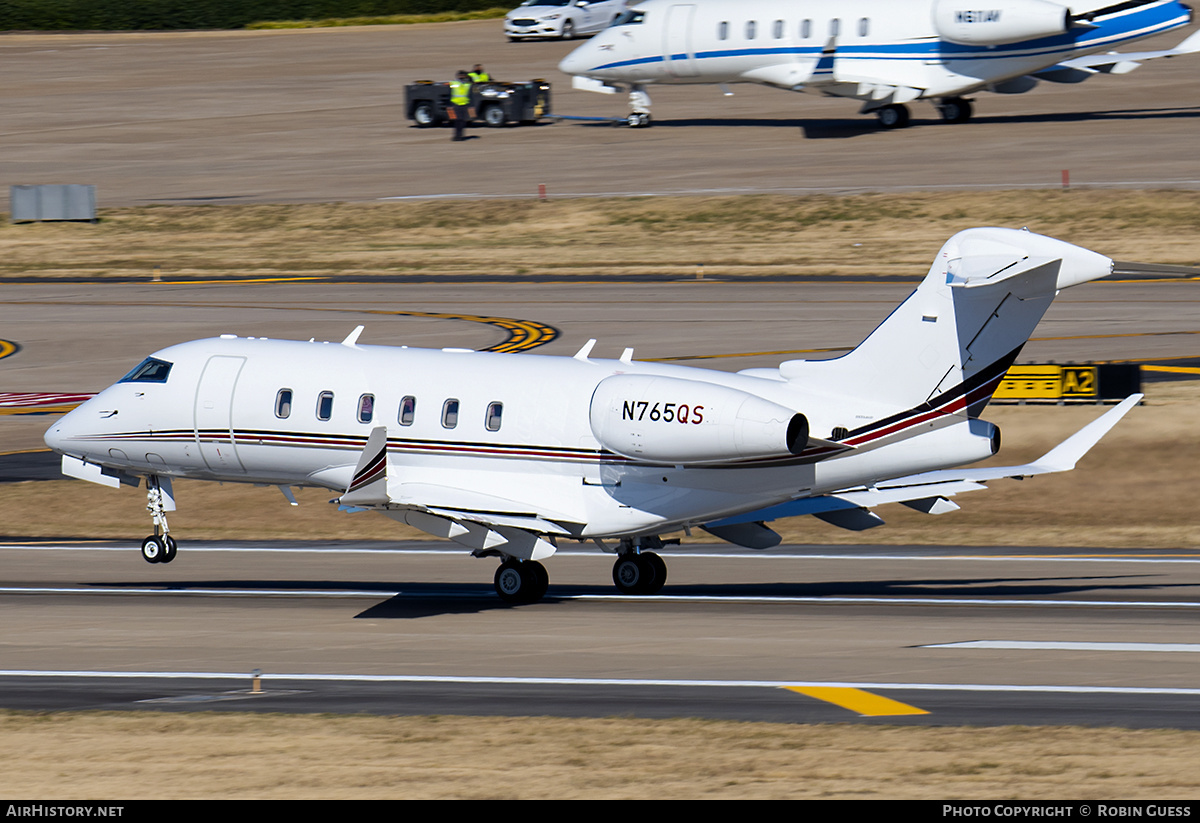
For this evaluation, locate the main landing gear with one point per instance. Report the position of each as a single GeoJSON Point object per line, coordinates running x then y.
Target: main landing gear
{"type": "Point", "coordinates": [638, 570]}
{"type": "Point", "coordinates": [521, 581]}
{"type": "Point", "coordinates": [159, 547]}
{"type": "Point", "coordinates": [894, 116]}
{"type": "Point", "coordinates": [955, 109]}
{"type": "Point", "coordinates": [952, 110]}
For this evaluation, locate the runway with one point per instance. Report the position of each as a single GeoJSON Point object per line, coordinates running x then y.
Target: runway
{"type": "Point", "coordinates": [1075, 636]}
{"type": "Point", "coordinates": [317, 115]}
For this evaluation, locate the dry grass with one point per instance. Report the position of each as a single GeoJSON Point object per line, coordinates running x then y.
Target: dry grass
{"type": "Point", "coordinates": [889, 234]}
{"type": "Point", "coordinates": [125, 756]}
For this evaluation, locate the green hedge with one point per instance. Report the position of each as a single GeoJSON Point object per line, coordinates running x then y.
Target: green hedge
{"type": "Point", "coordinates": [126, 15]}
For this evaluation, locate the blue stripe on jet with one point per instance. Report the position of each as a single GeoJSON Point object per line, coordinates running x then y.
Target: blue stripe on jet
{"type": "Point", "coordinates": [1112, 31]}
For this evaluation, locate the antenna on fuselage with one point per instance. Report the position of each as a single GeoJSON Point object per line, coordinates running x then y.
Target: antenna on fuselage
{"type": "Point", "coordinates": [352, 337]}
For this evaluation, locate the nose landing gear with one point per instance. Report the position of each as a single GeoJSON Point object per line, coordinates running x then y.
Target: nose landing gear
{"type": "Point", "coordinates": [159, 547]}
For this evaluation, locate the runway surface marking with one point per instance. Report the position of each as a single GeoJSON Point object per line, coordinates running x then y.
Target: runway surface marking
{"type": "Point", "coordinates": [7, 347]}
{"type": "Point", "coordinates": [1037, 645]}
{"type": "Point", "coordinates": [269, 677]}
{"type": "Point", "coordinates": [522, 334]}
{"type": "Point", "coordinates": [856, 700]}
{"type": "Point", "coordinates": [182, 589]}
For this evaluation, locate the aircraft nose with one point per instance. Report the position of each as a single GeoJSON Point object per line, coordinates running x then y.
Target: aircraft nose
{"type": "Point", "coordinates": [578, 61]}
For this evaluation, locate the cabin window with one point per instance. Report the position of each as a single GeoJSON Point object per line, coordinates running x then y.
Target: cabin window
{"type": "Point", "coordinates": [366, 408]}
{"type": "Point", "coordinates": [723, 30]}
{"type": "Point", "coordinates": [150, 370]}
{"type": "Point", "coordinates": [408, 409]}
{"type": "Point", "coordinates": [450, 413]}
{"type": "Point", "coordinates": [325, 405]}
{"type": "Point", "coordinates": [835, 26]}
{"type": "Point", "coordinates": [805, 29]}
{"type": "Point", "coordinates": [751, 29]}
{"type": "Point", "coordinates": [777, 30]}
{"type": "Point", "coordinates": [864, 26]}
{"type": "Point", "coordinates": [494, 412]}
{"type": "Point", "coordinates": [283, 404]}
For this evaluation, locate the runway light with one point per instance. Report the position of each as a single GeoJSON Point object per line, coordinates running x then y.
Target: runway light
{"type": "Point", "coordinates": [256, 681]}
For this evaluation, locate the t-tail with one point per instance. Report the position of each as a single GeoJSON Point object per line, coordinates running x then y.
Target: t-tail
{"type": "Point", "coordinates": [946, 348]}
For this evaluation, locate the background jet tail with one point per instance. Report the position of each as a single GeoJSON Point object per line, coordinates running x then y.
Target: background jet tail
{"type": "Point", "coordinates": [948, 345]}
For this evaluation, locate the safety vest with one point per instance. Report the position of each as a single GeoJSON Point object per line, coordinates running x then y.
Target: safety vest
{"type": "Point", "coordinates": [460, 93]}
{"type": "Point", "coordinates": [479, 77]}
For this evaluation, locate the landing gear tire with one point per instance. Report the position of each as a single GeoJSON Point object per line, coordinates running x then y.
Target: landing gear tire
{"type": "Point", "coordinates": [154, 549]}
{"type": "Point", "coordinates": [894, 116]}
{"type": "Point", "coordinates": [658, 569]}
{"type": "Point", "coordinates": [638, 120]}
{"type": "Point", "coordinates": [955, 110]}
{"type": "Point", "coordinates": [170, 549]}
{"type": "Point", "coordinates": [642, 573]}
{"type": "Point", "coordinates": [521, 581]}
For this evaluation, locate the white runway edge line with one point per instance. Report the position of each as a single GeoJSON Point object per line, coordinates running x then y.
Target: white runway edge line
{"type": "Point", "coordinates": [1038, 645]}
{"type": "Point", "coordinates": [269, 677]}
{"type": "Point", "coordinates": [178, 589]}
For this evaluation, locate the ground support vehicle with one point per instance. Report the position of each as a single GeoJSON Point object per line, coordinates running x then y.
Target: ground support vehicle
{"type": "Point", "coordinates": [497, 104]}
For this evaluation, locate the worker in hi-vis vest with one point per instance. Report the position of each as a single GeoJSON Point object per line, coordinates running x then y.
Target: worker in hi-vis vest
{"type": "Point", "coordinates": [478, 75]}
{"type": "Point", "coordinates": [460, 104]}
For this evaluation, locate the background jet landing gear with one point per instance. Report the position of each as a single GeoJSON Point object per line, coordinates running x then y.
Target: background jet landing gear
{"type": "Point", "coordinates": [955, 109]}
{"type": "Point", "coordinates": [639, 572]}
{"type": "Point", "coordinates": [894, 116]}
{"type": "Point", "coordinates": [158, 547]}
{"type": "Point", "coordinates": [521, 581]}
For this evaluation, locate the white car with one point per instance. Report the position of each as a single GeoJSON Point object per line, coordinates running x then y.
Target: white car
{"type": "Point", "coordinates": [560, 18]}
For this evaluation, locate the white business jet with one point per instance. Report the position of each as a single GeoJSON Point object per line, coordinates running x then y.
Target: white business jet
{"type": "Point", "coordinates": [512, 454]}
{"type": "Point", "coordinates": [883, 52]}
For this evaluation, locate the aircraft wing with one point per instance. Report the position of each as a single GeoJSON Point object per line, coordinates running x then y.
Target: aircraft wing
{"type": "Point", "coordinates": [929, 492]}
{"type": "Point", "coordinates": [479, 521]}
{"type": "Point", "coordinates": [1113, 62]}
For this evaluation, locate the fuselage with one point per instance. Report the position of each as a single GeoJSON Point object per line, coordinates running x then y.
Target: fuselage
{"type": "Point", "coordinates": [517, 431]}
{"type": "Point", "coordinates": [858, 48]}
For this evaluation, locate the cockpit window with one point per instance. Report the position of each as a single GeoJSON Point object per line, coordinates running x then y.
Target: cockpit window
{"type": "Point", "coordinates": [629, 17]}
{"type": "Point", "coordinates": [150, 370]}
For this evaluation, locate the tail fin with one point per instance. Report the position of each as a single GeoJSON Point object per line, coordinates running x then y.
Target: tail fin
{"type": "Point", "coordinates": [948, 345]}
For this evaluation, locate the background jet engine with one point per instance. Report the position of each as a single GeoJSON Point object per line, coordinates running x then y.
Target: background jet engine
{"type": "Point", "coordinates": [995, 23]}
{"type": "Point", "coordinates": [681, 422]}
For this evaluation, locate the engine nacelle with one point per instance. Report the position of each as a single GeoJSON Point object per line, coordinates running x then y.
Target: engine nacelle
{"type": "Point", "coordinates": [995, 23]}
{"type": "Point", "coordinates": [673, 421]}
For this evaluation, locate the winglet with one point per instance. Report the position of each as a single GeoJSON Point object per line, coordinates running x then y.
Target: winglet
{"type": "Point", "coordinates": [369, 485]}
{"type": "Point", "coordinates": [1066, 454]}
{"type": "Point", "coordinates": [352, 337]}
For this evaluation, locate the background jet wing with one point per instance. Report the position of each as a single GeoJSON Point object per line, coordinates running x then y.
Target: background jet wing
{"type": "Point", "coordinates": [1123, 62]}
{"type": "Point", "coordinates": [929, 492]}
